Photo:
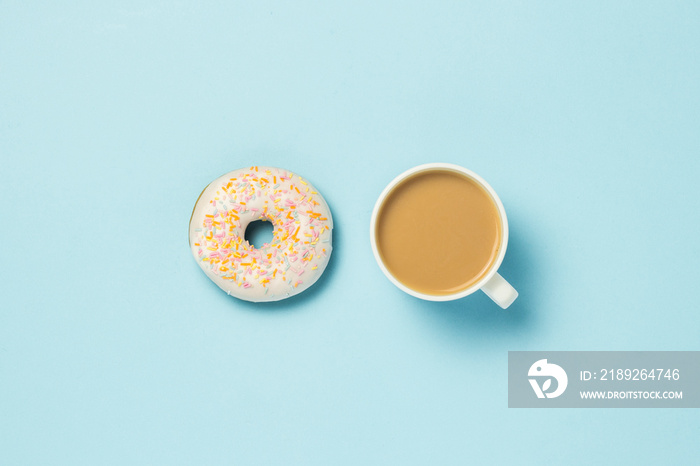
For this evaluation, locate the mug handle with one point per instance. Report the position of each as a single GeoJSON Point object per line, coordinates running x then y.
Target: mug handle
{"type": "Point", "coordinates": [500, 291]}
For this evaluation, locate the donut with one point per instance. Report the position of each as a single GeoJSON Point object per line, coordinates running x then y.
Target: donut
{"type": "Point", "coordinates": [301, 240]}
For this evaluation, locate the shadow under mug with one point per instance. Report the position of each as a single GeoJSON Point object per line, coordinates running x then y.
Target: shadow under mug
{"type": "Point", "coordinates": [495, 286]}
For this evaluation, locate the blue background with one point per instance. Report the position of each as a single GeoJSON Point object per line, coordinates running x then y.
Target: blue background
{"type": "Point", "coordinates": [116, 349]}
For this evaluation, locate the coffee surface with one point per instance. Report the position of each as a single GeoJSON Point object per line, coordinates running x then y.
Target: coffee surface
{"type": "Point", "coordinates": [438, 232]}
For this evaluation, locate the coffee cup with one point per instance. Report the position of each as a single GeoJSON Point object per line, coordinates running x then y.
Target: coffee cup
{"type": "Point", "coordinates": [439, 232]}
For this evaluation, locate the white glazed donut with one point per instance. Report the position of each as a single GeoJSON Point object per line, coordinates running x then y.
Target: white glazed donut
{"type": "Point", "coordinates": [301, 245]}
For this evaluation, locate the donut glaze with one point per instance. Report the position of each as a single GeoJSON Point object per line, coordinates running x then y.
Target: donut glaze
{"type": "Point", "coordinates": [302, 237]}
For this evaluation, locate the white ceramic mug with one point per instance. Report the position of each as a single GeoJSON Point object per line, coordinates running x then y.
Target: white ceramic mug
{"type": "Point", "coordinates": [495, 286]}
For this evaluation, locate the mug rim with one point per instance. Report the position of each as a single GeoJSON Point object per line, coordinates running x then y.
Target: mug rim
{"type": "Point", "coordinates": [501, 214]}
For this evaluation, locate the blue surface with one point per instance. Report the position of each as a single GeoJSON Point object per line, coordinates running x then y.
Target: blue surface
{"type": "Point", "coordinates": [116, 349]}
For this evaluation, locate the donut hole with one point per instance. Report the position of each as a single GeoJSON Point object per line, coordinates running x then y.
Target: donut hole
{"type": "Point", "coordinates": [259, 232]}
